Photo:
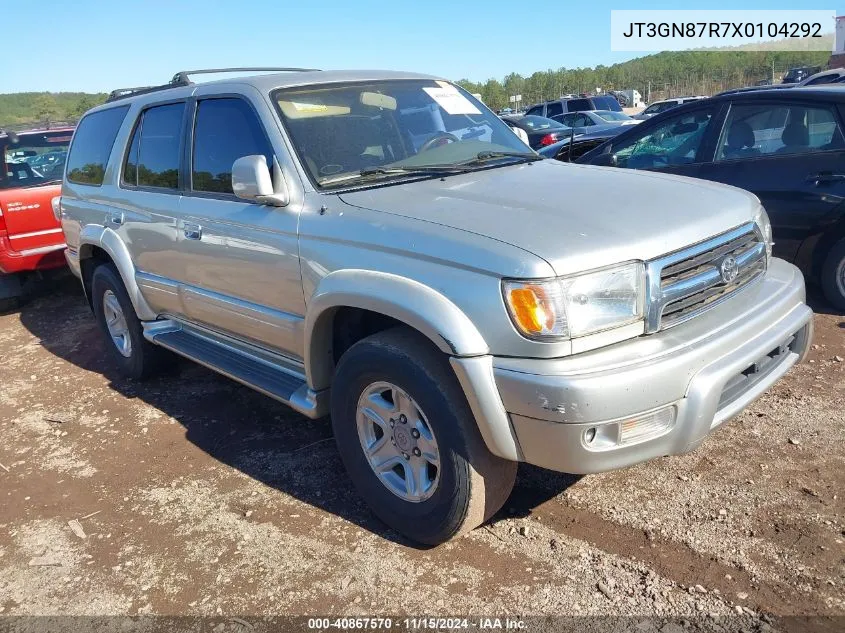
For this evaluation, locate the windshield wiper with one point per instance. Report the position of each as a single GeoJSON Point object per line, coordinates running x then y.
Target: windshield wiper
{"type": "Point", "coordinates": [397, 171]}
{"type": "Point", "coordinates": [492, 155]}
{"type": "Point", "coordinates": [453, 168]}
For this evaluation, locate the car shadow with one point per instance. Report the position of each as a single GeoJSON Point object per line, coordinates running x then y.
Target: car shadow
{"type": "Point", "coordinates": [820, 305]}
{"type": "Point", "coordinates": [237, 426]}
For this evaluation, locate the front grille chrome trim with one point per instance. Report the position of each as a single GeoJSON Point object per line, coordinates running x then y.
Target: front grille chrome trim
{"type": "Point", "coordinates": [695, 270]}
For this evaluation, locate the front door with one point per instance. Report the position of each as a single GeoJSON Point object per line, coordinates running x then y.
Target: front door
{"type": "Point", "coordinates": [791, 155]}
{"type": "Point", "coordinates": [677, 144]}
{"type": "Point", "coordinates": [240, 261]}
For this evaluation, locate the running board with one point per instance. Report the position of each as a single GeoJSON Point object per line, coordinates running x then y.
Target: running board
{"type": "Point", "coordinates": [236, 362]}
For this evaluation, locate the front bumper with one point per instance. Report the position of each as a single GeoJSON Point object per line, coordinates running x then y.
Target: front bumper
{"type": "Point", "coordinates": [709, 369]}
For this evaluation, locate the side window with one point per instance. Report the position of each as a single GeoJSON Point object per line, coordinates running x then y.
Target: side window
{"type": "Point", "coordinates": [586, 121]}
{"type": "Point", "coordinates": [675, 141]}
{"type": "Point", "coordinates": [786, 128]}
{"type": "Point", "coordinates": [130, 164]}
{"type": "Point", "coordinates": [579, 105]}
{"type": "Point", "coordinates": [606, 103]}
{"type": "Point", "coordinates": [225, 130]}
{"type": "Point", "coordinates": [158, 148]}
{"type": "Point", "coordinates": [570, 120]}
{"type": "Point", "coordinates": [554, 108]}
{"type": "Point", "coordinates": [91, 146]}
{"type": "Point", "coordinates": [536, 111]}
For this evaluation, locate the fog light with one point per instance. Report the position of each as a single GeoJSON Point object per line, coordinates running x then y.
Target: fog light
{"type": "Point", "coordinates": [647, 426]}
{"type": "Point", "coordinates": [590, 435]}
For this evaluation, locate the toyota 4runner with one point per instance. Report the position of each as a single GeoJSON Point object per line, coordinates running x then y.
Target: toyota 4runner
{"type": "Point", "coordinates": [380, 247]}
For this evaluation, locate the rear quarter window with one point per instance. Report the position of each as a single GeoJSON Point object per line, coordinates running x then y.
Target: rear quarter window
{"type": "Point", "coordinates": [579, 105]}
{"type": "Point", "coordinates": [92, 144]}
{"type": "Point", "coordinates": [607, 103]}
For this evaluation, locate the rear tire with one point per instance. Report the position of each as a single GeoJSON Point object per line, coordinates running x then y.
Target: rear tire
{"type": "Point", "coordinates": [833, 275]}
{"type": "Point", "coordinates": [136, 357]}
{"type": "Point", "coordinates": [468, 484]}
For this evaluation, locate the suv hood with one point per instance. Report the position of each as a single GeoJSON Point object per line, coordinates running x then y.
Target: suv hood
{"type": "Point", "coordinates": [576, 217]}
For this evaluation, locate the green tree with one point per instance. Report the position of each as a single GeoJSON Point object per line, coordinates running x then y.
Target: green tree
{"type": "Point", "coordinates": [83, 105]}
{"type": "Point", "coordinates": [46, 108]}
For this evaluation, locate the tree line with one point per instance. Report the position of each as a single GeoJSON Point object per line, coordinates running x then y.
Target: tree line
{"type": "Point", "coordinates": [660, 76]}
{"type": "Point", "coordinates": [45, 107]}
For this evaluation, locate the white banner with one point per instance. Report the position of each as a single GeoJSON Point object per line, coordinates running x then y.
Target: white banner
{"type": "Point", "coordinates": [670, 30]}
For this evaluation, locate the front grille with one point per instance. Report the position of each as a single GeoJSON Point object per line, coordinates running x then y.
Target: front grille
{"type": "Point", "coordinates": [686, 283]}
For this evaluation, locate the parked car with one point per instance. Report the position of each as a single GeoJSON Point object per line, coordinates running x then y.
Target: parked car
{"type": "Point", "coordinates": [661, 106]}
{"type": "Point", "coordinates": [577, 104]}
{"type": "Point", "coordinates": [836, 75]}
{"type": "Point", "coordinates": [785, 146]}
{"type": "Point", "coordinates": [571, 148]}
{"type": "Point", "coordinates": [381, 247]}
{"type": "Point", "coordinates": [795, 75]}
{"type": "Point", "coordinates": [31, 239]}
{"type": "Point", "coordinates": [540, 130]}
{"type": "Point", "coordinates": [595, 120]}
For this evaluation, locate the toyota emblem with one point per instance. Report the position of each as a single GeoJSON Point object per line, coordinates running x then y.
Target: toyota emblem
{"type": "Point", "coordinates": [729, 269]}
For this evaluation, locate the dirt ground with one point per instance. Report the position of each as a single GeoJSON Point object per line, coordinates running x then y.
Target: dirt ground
{"type": "Point", "coordinates": [197, 496]}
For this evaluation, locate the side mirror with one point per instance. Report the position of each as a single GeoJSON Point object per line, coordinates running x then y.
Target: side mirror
{"type": "Point", "coordinates": [605, 160]}
{"type": "Point", "coordinates": [251, 180]}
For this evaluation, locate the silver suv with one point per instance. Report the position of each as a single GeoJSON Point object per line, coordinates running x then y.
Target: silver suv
{"type": "Point", "coordinates": [380, 247]}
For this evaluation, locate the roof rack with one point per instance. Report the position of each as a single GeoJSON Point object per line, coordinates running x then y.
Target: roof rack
{"type": "Point", "coordinates": [182, 78]}
{"type": "Point", "coordinates": [182, 75]}
{"type": "Point", "coordinates": [123, 93]}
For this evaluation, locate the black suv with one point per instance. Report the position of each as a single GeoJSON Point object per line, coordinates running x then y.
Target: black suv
{"type": "Point", "coordinates": [578, 104]}
{"type": "Point", "coordinates": [794, 75]}
{"type": "Point", "coordinates": [785, 146]}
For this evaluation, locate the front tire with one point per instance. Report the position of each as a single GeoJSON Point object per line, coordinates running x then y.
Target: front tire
{"type": "Point", "coordinates": [833, 275]}
{"type": "Point", "coordinates": [136, 357]}
{"type": "Point", "coordinates": [409, 441]}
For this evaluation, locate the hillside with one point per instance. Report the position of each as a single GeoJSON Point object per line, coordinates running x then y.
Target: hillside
{"type": "Point", "coordinates": [29, 107]}
{"type": "Point", "coordinates": [662, 75]}
{"type": "Point", "coordinates": [667, 74]}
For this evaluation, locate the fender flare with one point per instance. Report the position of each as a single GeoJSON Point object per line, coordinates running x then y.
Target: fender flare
{"type": "Point", "coordinates": [406, 300]}
{"type": "Point", "coordinates": [106, 239]}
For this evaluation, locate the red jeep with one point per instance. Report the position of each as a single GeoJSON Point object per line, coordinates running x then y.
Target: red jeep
{"type": "Point", "coordinates": [31, 167]}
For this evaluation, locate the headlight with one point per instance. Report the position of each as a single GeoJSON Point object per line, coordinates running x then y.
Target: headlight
{"type": "Point", "coordinates": [761, 219]}
{"type": "Point", "coordinates": [577, 305]}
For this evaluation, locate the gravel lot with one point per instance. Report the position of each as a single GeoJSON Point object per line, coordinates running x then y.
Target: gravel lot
{"type": "Point", "coordinates": [196, 496]}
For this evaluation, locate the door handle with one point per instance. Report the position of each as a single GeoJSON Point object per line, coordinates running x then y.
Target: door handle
{"type": "Point", "coordinates": [825, 177]}
{"type": "Point", "coordinates": [192, 231]}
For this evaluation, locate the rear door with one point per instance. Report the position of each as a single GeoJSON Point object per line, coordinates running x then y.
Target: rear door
{"type": "Point", "coordinates": [31, 166]}
{"type": "Point", "coordinates": [791, 154]}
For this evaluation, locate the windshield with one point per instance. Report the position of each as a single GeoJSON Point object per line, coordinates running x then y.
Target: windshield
{"type": "Point", "coordinates": [341, 130]}
{"type": "Point", "coordinates": [612, 116]}
{"type": "Point", "coordinates": [32, 159]}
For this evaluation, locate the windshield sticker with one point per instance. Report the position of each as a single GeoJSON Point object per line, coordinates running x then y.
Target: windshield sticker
{"type": "Point", "coordinates": [299, 110]}
{"type": "Point", "coordinates": [451, 100]}
{"type": "Point", "coordinates": [309, 107]}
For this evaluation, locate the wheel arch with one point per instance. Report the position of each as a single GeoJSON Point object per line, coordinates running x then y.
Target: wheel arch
{"type": "Point", "coordinates": [98, 243]}
{"type": "Point", "coordinates": [401, 300]}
